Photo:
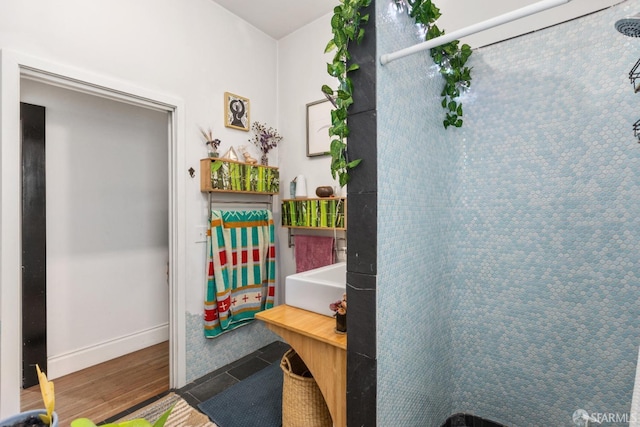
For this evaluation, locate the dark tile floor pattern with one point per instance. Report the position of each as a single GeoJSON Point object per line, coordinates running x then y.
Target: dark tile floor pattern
{"type": "Point", "coordinates": [219, 380]}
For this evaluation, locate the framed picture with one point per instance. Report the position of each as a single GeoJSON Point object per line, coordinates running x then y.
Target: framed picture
{"type": "Point", "coordinates": [318, 124]}
{"type": "Point", "coordinates": [236, 112]}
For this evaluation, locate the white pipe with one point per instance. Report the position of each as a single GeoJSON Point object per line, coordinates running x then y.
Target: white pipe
{"type": "Point", "coordinates": [472, 29]}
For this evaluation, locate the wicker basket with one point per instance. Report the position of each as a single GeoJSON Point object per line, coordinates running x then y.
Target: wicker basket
{"type": "Point", "coordinates": [302, 401]}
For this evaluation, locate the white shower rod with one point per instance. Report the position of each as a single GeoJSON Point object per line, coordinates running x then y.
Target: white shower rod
{"type": "Point", "coordinates": [472, 29]}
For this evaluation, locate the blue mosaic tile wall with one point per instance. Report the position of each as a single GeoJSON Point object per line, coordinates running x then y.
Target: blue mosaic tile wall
{"type": "Point", "coordinates": [416, 168]}
{"type": "Point", "coordinates": [508, 265]}
{"type": "Point", "coordinates": [206, 355]}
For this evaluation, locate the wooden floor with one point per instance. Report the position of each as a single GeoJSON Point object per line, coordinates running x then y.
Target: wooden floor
{"type": "Point", "coordinates": [107, 389]}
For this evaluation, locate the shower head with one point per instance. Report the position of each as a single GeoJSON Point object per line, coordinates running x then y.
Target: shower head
{"type": "Point", "coordinates": [629, 26]}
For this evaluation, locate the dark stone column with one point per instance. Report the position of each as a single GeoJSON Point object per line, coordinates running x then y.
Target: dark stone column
{"type": "Point", "coordinates": [362, 234]}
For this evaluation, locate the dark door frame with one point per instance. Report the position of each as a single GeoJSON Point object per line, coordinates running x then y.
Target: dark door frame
{"type": "Point", "coordinates": [34, 243]}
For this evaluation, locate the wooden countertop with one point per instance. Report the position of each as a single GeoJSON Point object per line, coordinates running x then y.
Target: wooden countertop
{"type": "Point", "coordinates": [313, 337]}
{"type": "Point", "coordinates": [304, 322]}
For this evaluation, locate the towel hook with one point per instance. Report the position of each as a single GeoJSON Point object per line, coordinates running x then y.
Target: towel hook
{"type": "Point", "coordinates": [289, 241]}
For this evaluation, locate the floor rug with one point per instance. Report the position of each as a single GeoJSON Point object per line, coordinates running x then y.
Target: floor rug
{"type": "Point", "coordinates": [253, 402]}
{"type": "Point", "coordinates": [182, 415]}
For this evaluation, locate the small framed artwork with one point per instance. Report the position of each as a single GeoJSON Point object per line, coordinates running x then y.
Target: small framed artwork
{"type": "Point", "coordinates": [236, 112]}
{"type": "Point", "coordinates": [318, 124]}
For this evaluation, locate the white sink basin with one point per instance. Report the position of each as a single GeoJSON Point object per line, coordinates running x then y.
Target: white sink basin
{"type": "Point", "coordinates": [315, 289]}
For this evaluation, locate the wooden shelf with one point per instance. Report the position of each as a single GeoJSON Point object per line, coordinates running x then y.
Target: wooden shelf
{"type": "Point", "coordinates": [232, 176]}
{"type": "Point", "coordinates": [302, 199]}
{"type": "Point", "coordinates": [322, 213]}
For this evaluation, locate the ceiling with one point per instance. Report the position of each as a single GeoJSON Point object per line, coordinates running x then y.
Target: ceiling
{"type": "Point", "coordinates": [279, 18]}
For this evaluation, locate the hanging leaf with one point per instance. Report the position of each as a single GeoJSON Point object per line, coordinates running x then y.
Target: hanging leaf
{"type": "Point", "coordinates": [48, 396]}
{"type": "Point", "coordinates": [426, 13]}
{"type": "Point", "coordinates": [330, 46]}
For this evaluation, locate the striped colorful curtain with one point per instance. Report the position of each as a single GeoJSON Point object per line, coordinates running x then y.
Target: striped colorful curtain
{"type": "Point", "coordinates": [241, 269]}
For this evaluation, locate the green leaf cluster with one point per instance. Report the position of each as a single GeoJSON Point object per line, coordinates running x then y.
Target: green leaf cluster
{"type": "Point", "coordinates": [346, 27]}
{"type": "Point", "coordinates": [138, 422]}
{"type": "Point", "coordinates": [450, 58]}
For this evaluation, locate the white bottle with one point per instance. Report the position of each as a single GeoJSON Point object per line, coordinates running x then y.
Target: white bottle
{"type": "Point", "coordinates": [301, 187]}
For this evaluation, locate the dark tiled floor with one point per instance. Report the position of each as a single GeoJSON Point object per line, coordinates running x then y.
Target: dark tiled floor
{"type": "Point", "coordinates": [213, 383]}
{"type": "Point", "coordinates": [219, 380]}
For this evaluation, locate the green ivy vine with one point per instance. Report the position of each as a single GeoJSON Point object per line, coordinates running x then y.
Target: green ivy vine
{"type": "Point", "coordinates": [450, 58]}
{"type": "Point", "coordinates": [346, 26]}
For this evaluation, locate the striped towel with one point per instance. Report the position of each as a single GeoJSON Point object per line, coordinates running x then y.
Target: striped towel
{"type": "Point", "coordinates": [241, 269]}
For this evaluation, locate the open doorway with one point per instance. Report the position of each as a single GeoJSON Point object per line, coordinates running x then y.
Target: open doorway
{"type": "Point", "coordinates": [107, 230]}
{"type": "Point", "coordinates": [15, 67]}
{"type": "Point", "coordinates": [107, 227]}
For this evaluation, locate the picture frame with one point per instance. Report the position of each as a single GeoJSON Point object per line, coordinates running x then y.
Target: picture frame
{"type": "Point", "coordinates": [236, 112]}
{"type": "Point", "coordinates": [318, 124]}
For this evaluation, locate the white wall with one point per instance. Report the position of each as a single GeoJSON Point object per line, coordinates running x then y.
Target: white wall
{"type": "Point", "coordinates": [107, 227]}
{"type": "Point", "coordinates": [195, 50]}
{"type": "Point", "coordinates": [302, 70]}
{"type": "Point", "coordinates": [191, 50]}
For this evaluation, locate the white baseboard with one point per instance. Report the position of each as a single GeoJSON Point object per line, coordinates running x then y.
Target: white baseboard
{"type": "Point", "coordinates": [60, 365]}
